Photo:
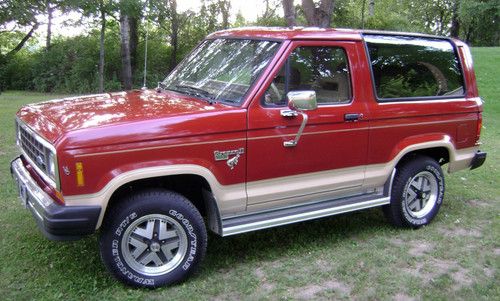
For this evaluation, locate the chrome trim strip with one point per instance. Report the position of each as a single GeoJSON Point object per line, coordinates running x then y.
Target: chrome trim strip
{"type": "Point", "coordinates": [302, 216]}
{"type": "Point", "coordinates": [33, 209]}
{"type": "Point", "coordinates": [35, 193]}
{"type": "Point", "coordinates": [388, 185]}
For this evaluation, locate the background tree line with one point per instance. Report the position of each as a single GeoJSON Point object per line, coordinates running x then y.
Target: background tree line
{"type": "Point", "coordinates": [110, 56]}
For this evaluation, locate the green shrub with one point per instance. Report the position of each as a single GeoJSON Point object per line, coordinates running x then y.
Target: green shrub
{"type": "Point", "coordinates": [15, 73]}
{"type": "Point", "coordinates": [71, 65]}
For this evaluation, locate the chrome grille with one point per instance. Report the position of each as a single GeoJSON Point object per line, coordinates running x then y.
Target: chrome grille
{"type": "Point", "coordinates": [33, 149]}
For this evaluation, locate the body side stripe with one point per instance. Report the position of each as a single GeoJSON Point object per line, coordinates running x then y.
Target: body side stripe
{"type": "Point", "coordinates": [258, 138]}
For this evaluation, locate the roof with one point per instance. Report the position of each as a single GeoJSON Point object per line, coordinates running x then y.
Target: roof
{"type": "Point", "coordinates": [288, 33]}
{"type": "Point", "coordinates": [306, 33]}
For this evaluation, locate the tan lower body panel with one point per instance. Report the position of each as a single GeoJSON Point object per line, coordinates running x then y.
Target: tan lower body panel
{"type": "Point", "coordinates": [462, 159]}
{"type": "Point", "coordinates": [304, 187]}
{"type": "Point", "coordinates": [279, 192]}
{"type": "Point", "coordinates": [331, 184]}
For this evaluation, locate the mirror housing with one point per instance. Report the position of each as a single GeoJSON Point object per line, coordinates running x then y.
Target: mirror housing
{"type": "Point", "coordinates": [302, 100]}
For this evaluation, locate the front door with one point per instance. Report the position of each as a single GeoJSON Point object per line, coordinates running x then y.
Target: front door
{"type": "Point", "coordinates": [329, 159]}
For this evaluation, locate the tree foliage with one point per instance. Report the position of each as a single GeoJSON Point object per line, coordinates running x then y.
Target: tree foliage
{"type": "Point", "coordinates": [480, 22]}
{"type": "Point", "coordinates": [93, 61]}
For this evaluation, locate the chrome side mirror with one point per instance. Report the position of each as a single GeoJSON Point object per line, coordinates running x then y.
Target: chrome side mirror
{"type": "Point", "coordinates": [302, 100]}
{"type": "Point", "coordinates": [299, 101]}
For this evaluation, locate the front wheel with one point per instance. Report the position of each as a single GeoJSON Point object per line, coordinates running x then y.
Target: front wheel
{"type": "Point", "coordinates": [152, 239]}
{"type": "Point", "coordinates": [417, 193]}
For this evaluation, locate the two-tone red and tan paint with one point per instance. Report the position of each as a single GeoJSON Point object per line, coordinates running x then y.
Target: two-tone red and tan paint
{"type": "Point", "coordinates": [121, 137]}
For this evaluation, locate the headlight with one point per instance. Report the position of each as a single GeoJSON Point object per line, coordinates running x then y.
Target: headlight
{"type": "Point", "coordinates": [51, 165]}
{"type": "Point", "coordinates": [18, 134]}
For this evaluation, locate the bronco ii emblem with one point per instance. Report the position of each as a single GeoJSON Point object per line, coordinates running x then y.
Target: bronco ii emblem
{"type": "Point", "coordinates": [225, 155]}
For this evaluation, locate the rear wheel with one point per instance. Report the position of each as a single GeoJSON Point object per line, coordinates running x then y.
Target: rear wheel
{"type": "Point", "coordinates": [152, 239]}
{"type": "Point", "coordinates": [417, 193]}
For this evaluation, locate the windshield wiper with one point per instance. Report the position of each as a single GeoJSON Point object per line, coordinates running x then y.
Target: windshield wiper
{"type": "Point", "coordinates": [197, 92]}
{"type": "Point", "coordinates": [161, 86]}
{"type": "Point", "coordinates": [194, 91]}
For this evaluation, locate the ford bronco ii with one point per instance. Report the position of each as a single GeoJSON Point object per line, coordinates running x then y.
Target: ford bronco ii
{"type": "Point", "coordinates": [256, 128]}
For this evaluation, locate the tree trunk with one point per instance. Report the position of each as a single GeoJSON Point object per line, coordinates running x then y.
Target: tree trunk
{"type": "Point", "coordinates": [468, 35]}
{"type": "Point", "coordinates": [174, 33]}
{"type": "Point", "coordinates": [371, 8]}
{"type": "Point", "coordinates": [23, 41]}
{"type": "Point", "coordinates": [441, 23]}
{"type": "Point", "coordinates": [318, 16]}
{"type": "Point", "coordinates": [363, 5]}
{"type": "Point", "coordinates": [101, 48]}
{"type": "Point", "coordinates": [455, 27]}
{"type": "Point", "coordinates": [225, 10]}
{"type": "Point", "coordinates": [125, 52]}
{"type": "Point", "coordinates": [50, 11]}
{"type": "Point", "coordinates": [289, 11]}
{"type": "Point", "coordinates": [134, 40]}
{"type": "Point", "coordinates": [310, 12]}
{"type": "Point", "coordinates": [267, 13]}
{"type": "Point", "coordinates": [455, 22]}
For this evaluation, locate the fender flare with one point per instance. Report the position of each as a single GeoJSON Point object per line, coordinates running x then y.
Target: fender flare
{"type": "Point", "coordinates": [229, 198]}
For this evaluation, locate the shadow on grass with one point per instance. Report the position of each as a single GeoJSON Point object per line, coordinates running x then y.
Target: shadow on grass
{"type": "Point", "coordinates": [77, 264]}
{"type": "Point", "coordinates": [279, 243]}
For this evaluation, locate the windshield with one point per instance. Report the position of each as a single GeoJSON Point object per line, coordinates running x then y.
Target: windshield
{"type": "Point", "coordinates": [221, 69]}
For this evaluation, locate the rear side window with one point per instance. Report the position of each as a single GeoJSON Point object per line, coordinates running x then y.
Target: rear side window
{"type": "Point", "coordinates": [412, 67]}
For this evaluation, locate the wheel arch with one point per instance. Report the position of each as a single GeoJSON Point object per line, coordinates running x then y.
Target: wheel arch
{"type": "Point", "coordinates": [441, 154]}
{"type": "Point", "coordinates": [176, 183]}
{"type": "Point", "coordinates": [192, 186]}
{"type": "Point", "coordinates": [438, 147]}
{"type": "Point", "coordinates": [174, 177]}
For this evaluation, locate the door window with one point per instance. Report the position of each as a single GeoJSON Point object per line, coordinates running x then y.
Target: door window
{"type": "Point", "coordinates": [322, 69]}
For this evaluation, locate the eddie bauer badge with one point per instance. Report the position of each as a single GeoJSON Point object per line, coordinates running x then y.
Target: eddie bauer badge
{"type": "Point", "coordinates": [228, 155]}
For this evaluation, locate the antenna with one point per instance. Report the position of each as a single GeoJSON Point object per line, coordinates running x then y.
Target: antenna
{"type": "Point", "coordinates": [144, 87]}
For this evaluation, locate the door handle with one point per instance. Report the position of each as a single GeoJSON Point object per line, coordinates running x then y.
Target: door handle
{"type": "Point", "coordinates": [289, 113]}
{"type": "Point", "coordinates": [353, 116]}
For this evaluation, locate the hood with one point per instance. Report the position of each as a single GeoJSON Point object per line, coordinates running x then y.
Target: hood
{"type": "Point", "coordinates": [54, 118]}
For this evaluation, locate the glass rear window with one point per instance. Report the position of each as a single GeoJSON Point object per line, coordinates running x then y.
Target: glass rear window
{"type": "Point", "coordinates": [413, 67]}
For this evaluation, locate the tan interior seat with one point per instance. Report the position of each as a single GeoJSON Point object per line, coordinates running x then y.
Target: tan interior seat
{"type": "Point", "coordinates": [334, 89]}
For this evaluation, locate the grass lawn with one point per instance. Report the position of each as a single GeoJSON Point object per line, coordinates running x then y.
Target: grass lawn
{"type": "Point", "coordinates": [351, 256]}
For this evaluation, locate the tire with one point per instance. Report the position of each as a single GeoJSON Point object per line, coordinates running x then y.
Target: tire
{"type": "Point", "coordinates": [153, 238]}
{"type": "Point", "coordinates": [417, 193]}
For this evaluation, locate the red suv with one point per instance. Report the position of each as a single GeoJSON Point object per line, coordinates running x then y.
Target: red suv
{"type": "Point", "coordinates": [256, 128]}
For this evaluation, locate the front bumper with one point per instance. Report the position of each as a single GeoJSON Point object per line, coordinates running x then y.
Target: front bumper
{"type": "Point", "coordinates": [478, 160]}
{"type": "Point", "coordinates": [56, 222]}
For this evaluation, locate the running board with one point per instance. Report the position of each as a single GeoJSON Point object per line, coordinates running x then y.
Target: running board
{"type": "Point", "coordinates": [279, 217]}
